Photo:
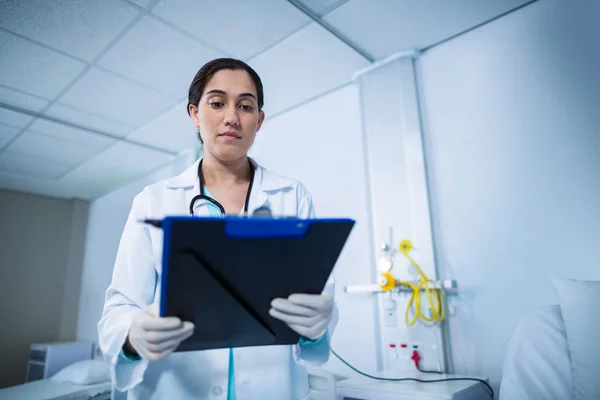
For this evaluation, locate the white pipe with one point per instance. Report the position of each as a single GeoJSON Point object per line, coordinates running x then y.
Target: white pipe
{"type": "Point", "coordinates": [389, 59]}
{"type": "Point", "coordinates": [445, 284]}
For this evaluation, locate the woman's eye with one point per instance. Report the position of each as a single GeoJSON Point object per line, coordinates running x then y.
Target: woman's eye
{"type": "Point", "coordinates": [246, 107]}
{"type": "Point", "coordinates": [217, 104]}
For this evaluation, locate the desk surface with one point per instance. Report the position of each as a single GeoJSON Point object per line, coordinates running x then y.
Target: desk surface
{"type": "Point", "coordinates": [371, 389]}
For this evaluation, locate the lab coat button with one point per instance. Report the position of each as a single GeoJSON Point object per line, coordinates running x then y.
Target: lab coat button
{"type": "Point", "coordinates": [217, 390]}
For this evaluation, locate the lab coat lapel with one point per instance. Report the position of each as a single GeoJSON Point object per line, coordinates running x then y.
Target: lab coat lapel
{"type": "Point", "coordinates": [188, 184]}
{"type": "Point", "coordinates": [258, 196]}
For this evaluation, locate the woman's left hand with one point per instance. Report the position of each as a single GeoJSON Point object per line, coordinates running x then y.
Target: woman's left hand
{"type": "Point", "coordinates": [307, 314]}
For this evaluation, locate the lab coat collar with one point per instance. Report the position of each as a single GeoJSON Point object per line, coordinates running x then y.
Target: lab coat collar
{"type": "Point", "coordinates": [263, 178]}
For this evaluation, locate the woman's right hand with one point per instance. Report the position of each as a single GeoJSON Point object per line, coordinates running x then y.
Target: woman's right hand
{"type": "Point", "coordinates": [153, 337]}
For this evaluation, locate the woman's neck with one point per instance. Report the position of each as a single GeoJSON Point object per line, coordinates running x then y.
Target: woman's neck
{"type": "Point", "coordinates": [216, 171]}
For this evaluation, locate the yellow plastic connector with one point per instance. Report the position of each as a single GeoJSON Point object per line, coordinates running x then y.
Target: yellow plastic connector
{"type": "Point", "coordinates": [387, 281]}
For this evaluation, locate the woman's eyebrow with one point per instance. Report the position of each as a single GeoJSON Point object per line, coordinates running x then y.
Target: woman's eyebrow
{"type": "Point", "coordinates": [248, 94]}
{"type": "Point", "coordinates": [223, 93]}
{"type": "Point", "coordinates": [216, 91]}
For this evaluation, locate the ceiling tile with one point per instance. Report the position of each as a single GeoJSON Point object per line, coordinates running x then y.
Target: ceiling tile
{"type": "Point", "coordinates": [114, 167]}
{"type": "Point", "coordinates": [22, 100]}
{"type": "Point", "coordinates": [86, 119]}
{"type": "Point", "coordinates": [306, 64]}
{"type": "Point", "coordinates": [34, 166]}
{"type": "Point", "coordinates": [322, 7]}
{"type": "Point", "coordinates": [60, 131]}
{"type": "Point", "coordinates": [103, 93]}
{"type": "Point", "coordinates": [7, 133]}
{"type": "Point", "coordinates": [51, 148]}
{"type": "Point", "coordinates": [159, 56]}
{"type": "Point", "coordinates": [81, 28]}
{"type": "Point", "coordinates": [388, 26]}
{"type": "Point", "coordinates": [21, 65]}
{"type": "Point", "coordinates": [142, 3]}
{"type": "Point", "coordinates": [242, 28]}
{"type": "Point", "coordinates": [35, 185]}
{"type": "Point", "coordinates": [13, 118]}
{"type": "Point", "coordinates": [172, 131]}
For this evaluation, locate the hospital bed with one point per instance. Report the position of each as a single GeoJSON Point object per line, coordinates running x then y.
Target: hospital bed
{"type": "Point", "coordinates": [64, 373]}
{"type": "Point", "coordinates": [48, 389]}
{"type": "Point", "coordinates": [554, 352]}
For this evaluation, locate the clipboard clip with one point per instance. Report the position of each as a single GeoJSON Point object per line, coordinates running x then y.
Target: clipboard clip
{"type": "Point", "coordinates": [157, 223]}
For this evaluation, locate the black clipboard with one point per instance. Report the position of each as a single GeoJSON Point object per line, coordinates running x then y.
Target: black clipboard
{"type": "Point", "coordinates": [222, 274]}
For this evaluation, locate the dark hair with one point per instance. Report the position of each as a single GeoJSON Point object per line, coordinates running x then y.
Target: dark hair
{"type": "Point", "coordinates": [212, 67]}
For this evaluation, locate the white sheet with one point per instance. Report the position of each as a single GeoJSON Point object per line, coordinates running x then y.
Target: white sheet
{"type": "Point", "coordinates": [537, 364]}
{"type": "Point", "coordinates": [47, 389]}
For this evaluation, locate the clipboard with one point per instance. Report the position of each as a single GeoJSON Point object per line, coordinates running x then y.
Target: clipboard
{"type": "Point", "coordinates": [222, 274]}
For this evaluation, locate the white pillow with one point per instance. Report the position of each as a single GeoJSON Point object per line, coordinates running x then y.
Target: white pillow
{"type": "Point", "coordinates": [537, 364]}
{"type": "Point", "coordinates": [86, 372]}
{"type": "Point", "coordinates": [580, 308]}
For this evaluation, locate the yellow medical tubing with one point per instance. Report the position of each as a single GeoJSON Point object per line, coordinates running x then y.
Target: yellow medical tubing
{"type": "Point", "coordinates": [437, 309]}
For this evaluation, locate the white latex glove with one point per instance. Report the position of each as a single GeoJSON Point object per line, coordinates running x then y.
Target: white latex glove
{"type": "Point", "coordinates": [307, 314]}
{"type": "Point", "coordinates": [154, 337]}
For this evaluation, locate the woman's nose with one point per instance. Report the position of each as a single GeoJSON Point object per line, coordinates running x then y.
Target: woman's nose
{"type": "Point", "coordinates": [231, 117]}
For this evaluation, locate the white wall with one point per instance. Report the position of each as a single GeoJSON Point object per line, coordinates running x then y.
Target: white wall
{"type": "Point", "coordinates": [513, 150]}
{"type": "Point", "coordinates": [321, 144]}
{"type": "Point", "coordinates": [107, 216]}
{"type": "Point", "coordinates": [41, 263]}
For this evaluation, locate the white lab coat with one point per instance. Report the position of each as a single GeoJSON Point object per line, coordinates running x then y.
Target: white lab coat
{"type": "Point", "coordinates": [270, 372]}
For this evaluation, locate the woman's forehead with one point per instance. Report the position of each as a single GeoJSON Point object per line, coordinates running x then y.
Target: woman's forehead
{"type": "Point", "coordinates": [231, 82]}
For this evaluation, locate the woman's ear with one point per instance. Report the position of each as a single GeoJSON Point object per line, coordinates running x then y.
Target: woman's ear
{"type": "Point", "coordinates": [261, 118]}
{"type": "Point", "coordinates": [193, 110]}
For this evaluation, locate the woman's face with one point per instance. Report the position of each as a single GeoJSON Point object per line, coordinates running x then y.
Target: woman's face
{"type": "Point", "coordinates": [228, 114]}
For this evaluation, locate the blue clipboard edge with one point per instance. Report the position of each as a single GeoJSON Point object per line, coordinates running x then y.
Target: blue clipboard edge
{"type": "Point", "coordinates": [238, 227]}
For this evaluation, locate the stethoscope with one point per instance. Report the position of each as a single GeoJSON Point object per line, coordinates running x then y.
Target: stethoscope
{"type": "Point", "coordinates": [203, 196]}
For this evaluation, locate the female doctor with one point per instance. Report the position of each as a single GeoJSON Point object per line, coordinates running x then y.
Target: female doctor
{"type": "Point", "coordinates": [225, 104]}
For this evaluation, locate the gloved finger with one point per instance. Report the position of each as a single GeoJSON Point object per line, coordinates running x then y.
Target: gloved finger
{"type": "Point", "coordinates": [149, 322]}
{"type": "Point", "coordinates": [170, 344]}
{"type": "Point", "coordinates": [153, 309]}
{"type": "Point", "coordinates": [314, 332]}
{"type": "Point", "coordinates": [301, 330]}
{"type": "Point", "coordinates": [288, 307]}
{"type": "Point", "coordinates": [315, 301]}
{"type": "Point", "coordinates": [157, 337]}
{"type": "Point", "coordinates": [292, 319]}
